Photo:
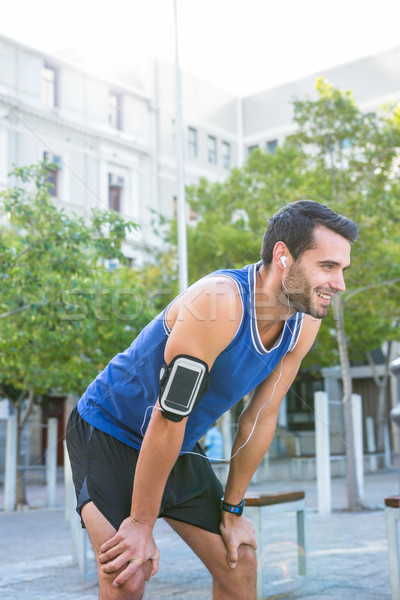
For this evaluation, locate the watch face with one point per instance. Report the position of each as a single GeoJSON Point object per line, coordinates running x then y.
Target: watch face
{"type": "Point", "coordinates": [232, 508]}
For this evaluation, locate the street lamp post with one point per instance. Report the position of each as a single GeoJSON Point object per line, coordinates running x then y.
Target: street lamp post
{"type": "Point", "coordinates": [182, 238]}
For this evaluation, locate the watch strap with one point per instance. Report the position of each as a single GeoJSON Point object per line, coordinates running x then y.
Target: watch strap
{"type": "Point", "coordinates": [234, 509]}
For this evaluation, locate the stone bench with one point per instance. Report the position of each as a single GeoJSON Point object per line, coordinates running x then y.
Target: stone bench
{"type": "Point", "coordinates": [304, 466]}
{"type": "Point", "coordinates": [392, 513]}
{"type": "Point", "coordinates": [261, 505]}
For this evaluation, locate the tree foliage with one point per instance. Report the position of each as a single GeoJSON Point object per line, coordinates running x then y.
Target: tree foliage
{"type": "Point", "coordinates": [353, 163]}
{"type": "Point", "coordinates": [231, 216]}
{"type": "Point", "coordinates": [338, 156]}
{"type": "Point", "coordinates": [354, 160]}
{"type": "Point", "coordinates": [63, 313]}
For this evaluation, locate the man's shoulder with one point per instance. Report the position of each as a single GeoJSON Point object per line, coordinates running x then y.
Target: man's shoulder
{"type": "Point", "coordinates": [205, 319]}
{"type": "Point", "coordinates": [219, 290]}
{"type": "Point", "coordinates": [309, 330]}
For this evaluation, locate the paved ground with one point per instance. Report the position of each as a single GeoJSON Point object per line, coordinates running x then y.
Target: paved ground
{"type": "Point", "coordinates": [347, 553]}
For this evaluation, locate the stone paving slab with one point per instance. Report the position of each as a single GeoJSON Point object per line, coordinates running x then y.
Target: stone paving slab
{"type": "Point", "coordinates": [346, 559]}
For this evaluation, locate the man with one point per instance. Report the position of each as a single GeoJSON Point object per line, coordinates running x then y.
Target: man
{"type": "Point", "coordinates": [132, 441]}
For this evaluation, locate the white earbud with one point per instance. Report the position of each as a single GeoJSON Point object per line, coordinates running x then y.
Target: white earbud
{"type": "Point", "coordinates": [283, 260]}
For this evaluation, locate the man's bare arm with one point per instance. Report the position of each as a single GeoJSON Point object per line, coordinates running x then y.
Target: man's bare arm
{"type": "Point", "coordinates": [256, 429]}
{"type": "Point", "coordinates": [204, 325]}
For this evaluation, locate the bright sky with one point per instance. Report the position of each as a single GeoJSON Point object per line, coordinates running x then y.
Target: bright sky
{"type": "Point", "coordinates": [241, 45]}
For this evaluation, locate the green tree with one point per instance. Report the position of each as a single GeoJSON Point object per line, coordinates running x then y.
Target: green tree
{"type": "Point", "coordinates": [349, 161]}
{"type": "Point", "coordinates": [231, 216]}
{"type": "Point", "coordinates": [353, 167]}
{"type": "Point", "coordinates": [63, 314]}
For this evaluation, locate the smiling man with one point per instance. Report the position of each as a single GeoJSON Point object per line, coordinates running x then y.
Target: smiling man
{"type": "Point", "coordinates": [313, 269]}
{"type": "Point", "coordinates": [133, 437]}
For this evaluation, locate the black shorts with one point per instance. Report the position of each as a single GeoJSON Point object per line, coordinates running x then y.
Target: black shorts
{"type": "Point", "coordinates": [103, 470]}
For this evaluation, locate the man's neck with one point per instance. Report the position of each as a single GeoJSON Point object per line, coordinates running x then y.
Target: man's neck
{"type": "Point", "coordinates": [271, 305]}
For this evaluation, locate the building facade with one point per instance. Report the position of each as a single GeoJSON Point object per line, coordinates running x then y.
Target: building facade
{"type": "Point", "coordinates": [268, 115]}
{"type": "Point", "coordinates": [113, 141]}
{"type": "Point", "coordinates": [98, 134]}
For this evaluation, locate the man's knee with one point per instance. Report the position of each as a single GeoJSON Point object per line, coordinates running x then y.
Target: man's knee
{"type": "Point", "coordinates": [132, 589]}
{"type": "Point", "coordinates": [247, 560]}
{"type": "Point", "coordinates": [240, 582]}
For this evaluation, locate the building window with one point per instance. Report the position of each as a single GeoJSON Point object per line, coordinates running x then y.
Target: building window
{"type": "Point", "coordinates": [192, 142]}
{"type": "Point", "coordinates": [192, 213]}
{"type": "Point", "coordinates": [251, 149]}
{"type": "Point", "coordinates": [53, 167]}
{"type": "Point", "coordinates": [115, 191]}
{"type": "Point", "coordinates": [272, 146]}
{"type": "Point", "coordinates": [114, 111]}
{"type": "Point", "coordinates": [49, 87]}
{"type": "Point", "coordinates": [212, 150]}
{"type": "Point", "coordinates": [226, 155]}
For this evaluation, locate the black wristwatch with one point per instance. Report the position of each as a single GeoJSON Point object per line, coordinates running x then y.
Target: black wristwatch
{"type": "Point", "coordinates": [234, 509]}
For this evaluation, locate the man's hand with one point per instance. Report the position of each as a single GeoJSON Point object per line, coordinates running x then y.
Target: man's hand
{"type": "Point", "coordinates": [236, 531]}
{"type": "Point", "coordinates": [130, 547]}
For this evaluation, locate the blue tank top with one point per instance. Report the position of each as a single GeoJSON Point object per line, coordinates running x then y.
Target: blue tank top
{"type": "Point", "coordinates": [119, 400]}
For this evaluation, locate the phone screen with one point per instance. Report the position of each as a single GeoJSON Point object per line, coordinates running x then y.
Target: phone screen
{"type": "Point", "coordinates": [181, 391]}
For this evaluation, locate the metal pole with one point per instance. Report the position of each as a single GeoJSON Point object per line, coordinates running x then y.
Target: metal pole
{"type": "Point", "coordinates": [373, 462]}
{"type": "Point", "coordinates": [51, 462]}
{"type": "Point", "coordinates": [322, 451]}
{"type": "Point", "coordinates": [10, 478]}
{"type": "Point", "coordinates": [395, 412]}
{"type": "Point", "coordinates": [182, 240]}
{"type": "Point", "coordinates": [239, 121]}
{"type": "Point", "coordinates": [356, 409]}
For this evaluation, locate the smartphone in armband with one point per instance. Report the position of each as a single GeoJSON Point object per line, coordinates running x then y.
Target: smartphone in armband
{"type": "Point", "coordinates": [182, 383]}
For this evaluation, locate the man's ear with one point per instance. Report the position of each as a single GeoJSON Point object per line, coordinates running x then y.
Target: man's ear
{"type": "Point", "coordinates": [281, 255]}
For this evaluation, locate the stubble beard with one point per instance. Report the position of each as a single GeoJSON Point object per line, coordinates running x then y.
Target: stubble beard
{"type": "Point", "coordinates": [299, 294]}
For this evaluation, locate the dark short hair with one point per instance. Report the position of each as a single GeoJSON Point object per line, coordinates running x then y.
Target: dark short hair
{"type": "Point", "coordinates": [294, 225]}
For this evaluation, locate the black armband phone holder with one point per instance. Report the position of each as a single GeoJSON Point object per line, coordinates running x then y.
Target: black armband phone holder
{"type": "Point", "coordinates": [182, 383]}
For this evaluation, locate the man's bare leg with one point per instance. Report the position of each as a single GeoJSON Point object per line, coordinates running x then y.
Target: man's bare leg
{"type": "Point", "coordinates": [100, 530]}
{"type": "Point", "coordinates": [228, 584]}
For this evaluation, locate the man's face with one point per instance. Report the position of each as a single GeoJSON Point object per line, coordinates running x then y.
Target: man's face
{"type": "Point", "coordinates": [312, 281]}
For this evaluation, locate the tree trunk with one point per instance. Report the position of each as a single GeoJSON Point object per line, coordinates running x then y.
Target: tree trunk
{"type": "Point", "coordinates": [353, 495]}
{"type": "Point", "coordinates": [22, 417]}
{"type": "Point", "coordinates": [20, 483]}
{"type": "Point", "coordinates": [381, 383]}
{"type": "Point", "coordinates": [381, 416]}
